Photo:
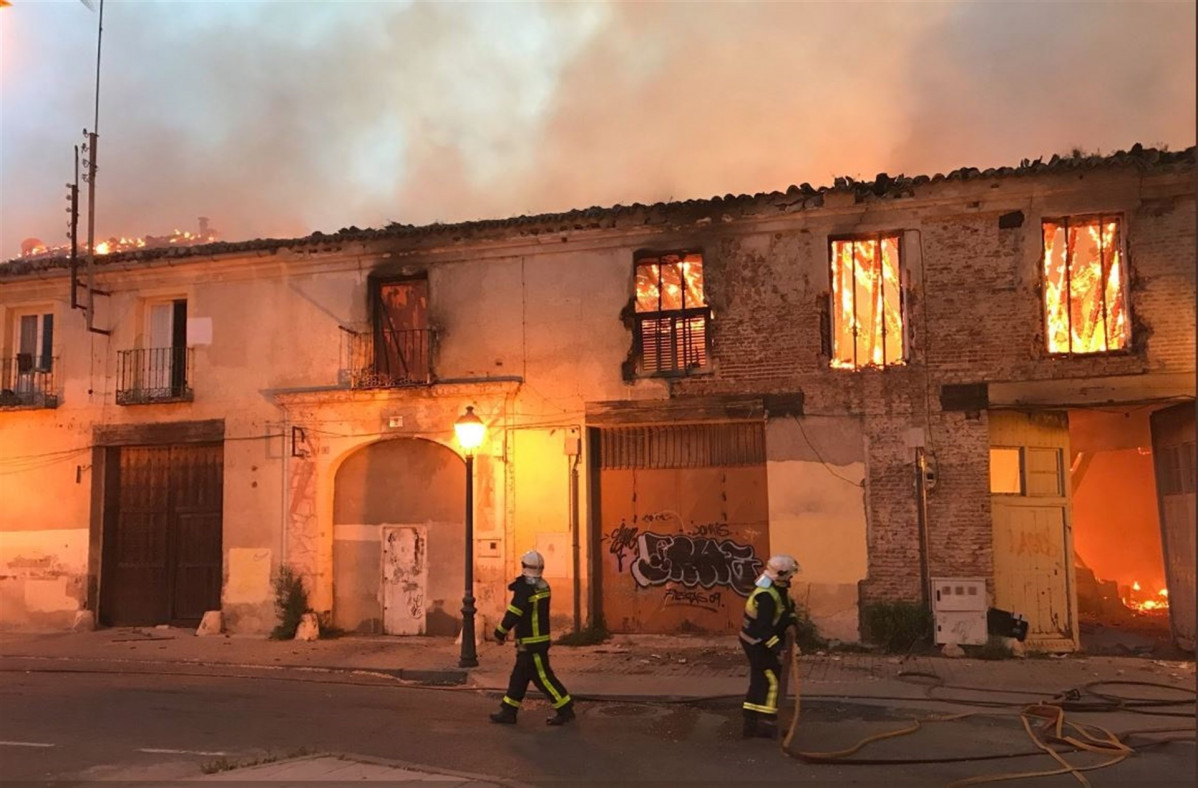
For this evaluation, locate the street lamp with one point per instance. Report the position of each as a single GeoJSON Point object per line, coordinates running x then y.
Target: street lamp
{"type": "Point", "coordinates": [470, 431]}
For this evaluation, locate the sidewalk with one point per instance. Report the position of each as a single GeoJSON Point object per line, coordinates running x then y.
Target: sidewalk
{"type": "Point", "coordinates": [628, 667]}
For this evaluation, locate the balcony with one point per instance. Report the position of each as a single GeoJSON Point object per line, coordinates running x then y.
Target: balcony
{"type": "Point", "coordinates": [151, 375]}
{"type": "Point", "coordinates": [387, 358]}
{"type": "Point", "coordinates": [28, 381]}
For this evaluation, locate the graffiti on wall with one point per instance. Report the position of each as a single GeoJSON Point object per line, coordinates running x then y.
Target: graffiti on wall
{"type": "Point", "coordinates": [704, 557]}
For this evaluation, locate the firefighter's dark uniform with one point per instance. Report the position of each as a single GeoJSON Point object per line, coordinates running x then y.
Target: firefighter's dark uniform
{"type": "Point", "coordinates": [768, 612]}
{"type": "Point", "coordinates": [528, 614]}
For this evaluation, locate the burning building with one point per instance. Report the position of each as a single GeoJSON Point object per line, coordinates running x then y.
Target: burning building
{"type": "Point", "coordinates": [980, 375]}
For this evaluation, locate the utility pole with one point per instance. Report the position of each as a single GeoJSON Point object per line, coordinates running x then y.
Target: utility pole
{"type": "Point", "coordinates": [73, 225]}
{"type": "Point", "coordinates": [90, 148]}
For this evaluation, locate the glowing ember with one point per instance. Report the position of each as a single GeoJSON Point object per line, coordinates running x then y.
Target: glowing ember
{"type": "Point", "coordinates": [867, 320]}
{"type": "Point", "coordinates": [1085, 307]}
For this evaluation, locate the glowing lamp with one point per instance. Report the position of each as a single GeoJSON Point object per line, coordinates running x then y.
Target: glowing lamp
{"type": "Point", "coordinates": [470, 430]}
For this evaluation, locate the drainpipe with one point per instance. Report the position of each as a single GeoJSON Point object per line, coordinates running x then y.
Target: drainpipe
{"type": "Point", "coordinates": [925, 476]}
{"type": "Point", "coordinates": [573, 446]}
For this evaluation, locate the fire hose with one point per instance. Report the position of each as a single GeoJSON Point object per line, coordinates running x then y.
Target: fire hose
{"type": "Point", "coordinates": [1045, 723]}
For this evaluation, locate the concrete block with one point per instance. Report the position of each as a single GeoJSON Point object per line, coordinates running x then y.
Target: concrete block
{"type": "Point", "coordinates": [309, 627]}
{"type": "Point", "coordinates": [85, 621]}
{"type": "Point", "coordinates": [952, 650]}
{"type": "Point", "coordinates": [482, 630]}
{"type": "Point", "coordinates": [211, 624]}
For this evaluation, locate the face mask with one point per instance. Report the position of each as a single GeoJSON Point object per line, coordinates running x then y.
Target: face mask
{"type": "Point", "coordinates": [764, 582]}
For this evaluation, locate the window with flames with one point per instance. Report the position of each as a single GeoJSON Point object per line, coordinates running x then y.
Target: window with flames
{"type": "Point", "coordinates": [867, 302]}
{"type": "Point", "coordinates": [672, 314]}
{"type": "Point", "coordinates": [1085, 285]}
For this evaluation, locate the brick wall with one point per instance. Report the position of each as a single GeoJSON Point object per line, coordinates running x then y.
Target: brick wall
{"type": "Point", "coordinates": [974, 314]}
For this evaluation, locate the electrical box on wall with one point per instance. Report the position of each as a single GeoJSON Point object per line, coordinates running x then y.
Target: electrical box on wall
{"type": "Point", "coordinates": [959, 607]}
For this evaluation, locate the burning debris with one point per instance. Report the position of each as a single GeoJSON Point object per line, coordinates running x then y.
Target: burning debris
{"type": "Point", "coordinates": [1137, 600]}
{"type": "Point", "coordinates": [33, 248]}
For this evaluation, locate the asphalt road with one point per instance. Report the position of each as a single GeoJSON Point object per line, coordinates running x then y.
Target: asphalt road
{"type": "Point", "coordinates": [73, 727]}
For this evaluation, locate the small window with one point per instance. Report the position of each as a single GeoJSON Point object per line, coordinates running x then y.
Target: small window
{"type": "Point", "coordinates": [867, 302]}
{"type": "Point", "coordinates": [33, 336]}
{"type": "Point", "coordinates": [671, 314]}
{"type": "Point", "coordinates": [1085, 286]}
{"type": "Point", "coordinates": [1044, 472]}
{"type": "Point", "coordinates": [1006, 471]}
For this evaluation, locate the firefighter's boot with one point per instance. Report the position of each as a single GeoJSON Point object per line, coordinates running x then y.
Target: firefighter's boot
{"type": "Point", "coordinates": [505, 716]}
{"type": "Point", "coordinates": [749, 731]}
{"type": "Point", "coordinates": [767, 726]}
{"type": "Point", "coordinates": [564, 715]}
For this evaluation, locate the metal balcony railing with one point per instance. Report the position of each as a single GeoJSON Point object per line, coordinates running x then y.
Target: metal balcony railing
{"type": "Point", "coordinates": [387, 358]}
{"type": "Point", "coordinates": [28, 381]}
{"type": "Point", "coordinates": [149, 375]}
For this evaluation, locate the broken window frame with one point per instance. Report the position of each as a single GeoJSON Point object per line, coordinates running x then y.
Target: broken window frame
{"type": "Point", "coordinates": [675, 326]}
{"type": "Point", "coordinates": [1082, 220]}
{"type": "Point", "coordinates": [834, 316]}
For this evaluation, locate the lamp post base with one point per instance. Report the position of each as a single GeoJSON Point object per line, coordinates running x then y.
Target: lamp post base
{"type": "Point", "coordinates": [469, 657]}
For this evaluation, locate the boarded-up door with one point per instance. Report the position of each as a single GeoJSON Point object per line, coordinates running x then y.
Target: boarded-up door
{"type": "Point", "coordinates": [162, 536]}
{"type": "Point", "coordinates": [685, 525]}
{"type": "Point", "coordinates": [405, 575]}
{"type": "Point", "coordinates": [1030, 510]}
{"type": "Point", "coordinates": [1173, 453]}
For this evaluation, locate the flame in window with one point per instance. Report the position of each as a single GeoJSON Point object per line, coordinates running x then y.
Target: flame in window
{"type": "Point", "coordinates": [1085, 300]}
{"type": "Point", "coordinates": [867, 319]}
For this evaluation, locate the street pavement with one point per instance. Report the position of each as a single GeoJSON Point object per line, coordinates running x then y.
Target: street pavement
{"type": "Point", "coordinates": [652, 708]}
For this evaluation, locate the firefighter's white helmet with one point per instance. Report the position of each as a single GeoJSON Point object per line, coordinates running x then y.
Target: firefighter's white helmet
{"type": "Point", "coordinates": [781, 568]}
{"type": "Point", "coordinates": [532, 564]}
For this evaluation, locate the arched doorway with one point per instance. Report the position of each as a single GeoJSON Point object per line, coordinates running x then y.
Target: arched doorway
{"type": "Point", "coordinates": [398, 539]}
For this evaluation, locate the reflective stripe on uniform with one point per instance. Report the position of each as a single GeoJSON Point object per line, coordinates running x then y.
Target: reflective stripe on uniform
{"type": "Point", "coordinates": [539, 639]}
{"type": "Point", "coordinates": [510, 702]}
{"type": "Point", "coordinates": [558, 699]}
{"type": "Point", "coordinates": [771, 698]}
{"type": "Point", "coordinates": [516, 610]}
{"type": "Point", "coordinates": [755, 707]}
{"type": "Point", "coordinates": [751, 603]}
{"type": "Point", "coordinates": [771, 642]}
{"type": "Point", "coordinates": [536, 616]}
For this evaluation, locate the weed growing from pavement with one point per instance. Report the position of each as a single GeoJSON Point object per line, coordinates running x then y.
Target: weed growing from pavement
{"type": "Point", "coordinates": [807, 636]}
{"type": "Point", "coordinates": [291, 602]}
{"type": "Point", "coordinates": [589, 636]}
{"type": "Point", "coordinates": [897, 626]}
{"type": "Point", "coordinates": [995, 648]}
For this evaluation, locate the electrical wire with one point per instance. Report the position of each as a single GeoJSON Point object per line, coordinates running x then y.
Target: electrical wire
{"type": "Point", "coordinates": [819, 457]}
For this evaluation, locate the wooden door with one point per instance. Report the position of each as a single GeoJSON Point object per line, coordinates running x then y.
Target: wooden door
{"type": "Point", "coordinates": [162, 556]}
{"type": "Point", "coordinates": [1173, 455]}
{"type": "Point", "coordinates": [1030, 508]}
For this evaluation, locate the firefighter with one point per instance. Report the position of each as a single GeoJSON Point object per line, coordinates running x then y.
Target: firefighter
{"type": "Point", "coordinates": [528, 615]}
{"type": "Point", "coordinates": [768, 612]}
